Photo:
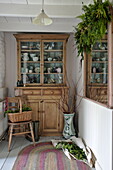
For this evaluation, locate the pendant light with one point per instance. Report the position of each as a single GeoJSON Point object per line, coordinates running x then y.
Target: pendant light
{"type": "Point", "coordinates": [42, 18]}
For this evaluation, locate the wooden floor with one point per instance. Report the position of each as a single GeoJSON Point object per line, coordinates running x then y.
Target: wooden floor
{"type": "Point", "coordinates": [7, 159]}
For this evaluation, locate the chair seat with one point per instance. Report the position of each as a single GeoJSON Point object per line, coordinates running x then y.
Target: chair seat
{"type": "Point", "coordinates": [18, 123]}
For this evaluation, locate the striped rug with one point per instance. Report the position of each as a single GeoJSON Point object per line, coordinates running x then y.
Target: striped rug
{"type": "Point", "coordinates": [43, 156]}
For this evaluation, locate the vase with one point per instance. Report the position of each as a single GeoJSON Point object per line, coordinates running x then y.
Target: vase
{"type": "Point", "coordinates": [68, 130]}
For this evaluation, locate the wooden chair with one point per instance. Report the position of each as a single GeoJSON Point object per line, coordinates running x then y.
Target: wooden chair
{"type": "Point", "coordinates": [23, 127]}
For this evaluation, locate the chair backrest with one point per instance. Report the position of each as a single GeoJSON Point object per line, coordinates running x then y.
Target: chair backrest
{"type": "Point", "coordinates": [13, 103]}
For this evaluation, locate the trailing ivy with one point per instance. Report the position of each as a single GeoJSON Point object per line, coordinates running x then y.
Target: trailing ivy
{"type": "Point", "coordinates": [93, 25]}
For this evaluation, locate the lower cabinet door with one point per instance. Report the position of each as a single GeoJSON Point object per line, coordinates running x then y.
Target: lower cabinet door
{"type": "Point", "coordinates": [35, 105]}
{"type": "Point", "coordinates": [50, 117]}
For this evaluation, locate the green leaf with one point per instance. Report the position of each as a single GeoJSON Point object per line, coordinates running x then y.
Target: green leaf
{"type": "Point", "coordinates": [93, 25]}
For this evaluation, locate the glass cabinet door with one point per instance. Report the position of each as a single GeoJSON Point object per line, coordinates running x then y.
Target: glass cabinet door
{"type": "Point", "coordinates": [42, 62]}
{"type": "Point", "coordinates": [99, 63]}
{"type": "Point", "coordinates": [53, 70]}
{"type": "Point", "coordinates": [30, 62]}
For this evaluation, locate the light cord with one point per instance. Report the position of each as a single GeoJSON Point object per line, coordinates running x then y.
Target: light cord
{"type": "Point", "coordinates": [43, 5]}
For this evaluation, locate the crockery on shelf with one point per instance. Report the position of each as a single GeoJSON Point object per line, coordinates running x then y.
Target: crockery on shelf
{"type": "Point", "coordinates": [37, 69]}
{"type": "Point", "coordinates": [32, 54]}
{"type": "Point", "coordinates": [49, 59]}
{"type": "Point", "coordinates": [25, 57]}
{"type": "Point", "coordinates": [58, 70]}
{"type": "Point", "coordinates": [30, 71]}
{"type": "Point", "coordinates": [35, 58]}
{"type": "Point", "coordinates": [23, 46]}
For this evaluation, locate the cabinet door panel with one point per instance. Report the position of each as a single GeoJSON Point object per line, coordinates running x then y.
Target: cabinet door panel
{"type": "Point", "coordinates": [29, 61]}
{"type": "Point", "coordinates": [53, 59]}
{"type": "Point", "coordinates": [35, 105]}
{"type": "Point", "coordinates": [51, 116]}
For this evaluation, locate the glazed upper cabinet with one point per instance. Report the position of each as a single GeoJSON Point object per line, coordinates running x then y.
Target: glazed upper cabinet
{"type": "Point", "coordinates": [41, 59]}
{"type": "Point", "coordinates": [97, 72]}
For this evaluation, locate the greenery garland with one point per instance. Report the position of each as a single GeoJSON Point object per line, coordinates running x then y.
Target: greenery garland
{"type": "Point", "coordinates": [93, 25]}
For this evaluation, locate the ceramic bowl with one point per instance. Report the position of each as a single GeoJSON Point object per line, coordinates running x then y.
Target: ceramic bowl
{"type": "Point", "coordinates": [35, 58]}
{"type": "Point", "coordinates": [25, 54]}
{"type": "Point", "coordinates": [26, 58]}
{"type": "Point", "coordinates": [32, 55]}
{"type": "Point", "coordinates": [49, 59]}
{"type": "Point", "coordinates": [103, 59]}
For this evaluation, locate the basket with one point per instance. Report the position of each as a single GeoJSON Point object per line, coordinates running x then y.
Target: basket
{"type": "Point", "coordinates": [20, 116]}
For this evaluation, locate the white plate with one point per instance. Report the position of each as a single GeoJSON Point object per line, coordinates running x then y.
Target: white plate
{"type": "Point", "coordinates": [24, 46]}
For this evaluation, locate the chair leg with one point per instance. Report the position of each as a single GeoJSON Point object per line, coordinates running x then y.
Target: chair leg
{"type": "Point", "coordinates": [10, 136]}
{"type": "Point", "coordinates": [32, 134]}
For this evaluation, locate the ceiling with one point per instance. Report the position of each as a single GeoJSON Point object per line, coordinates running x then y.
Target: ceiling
{"type": "Point", "coordinates": [17, 15]}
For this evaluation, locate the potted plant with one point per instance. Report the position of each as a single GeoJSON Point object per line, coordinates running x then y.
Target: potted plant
{"type": "Point", "coordinates": [93, 25]}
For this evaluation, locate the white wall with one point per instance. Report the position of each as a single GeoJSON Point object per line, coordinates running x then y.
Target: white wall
{"type": "Point", "coordinates": [95, 127]}
{"type": "Point", "coordinates": [74, 69]}
{"type": "Point", "coordinates": [3, 90]}
{"type": "Point", "coordinates": [11, 63]}
{"type": "Point", "coordinates": [3, 121]}
{"type": "Point", "coordinates": [2, 60]}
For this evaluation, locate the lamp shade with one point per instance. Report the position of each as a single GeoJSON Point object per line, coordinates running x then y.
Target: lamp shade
{"type": "Point", "coordinates": [42, 19]}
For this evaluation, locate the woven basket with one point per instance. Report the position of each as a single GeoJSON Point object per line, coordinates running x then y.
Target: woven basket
{"type": "Point", "coordinates": [21, 116]}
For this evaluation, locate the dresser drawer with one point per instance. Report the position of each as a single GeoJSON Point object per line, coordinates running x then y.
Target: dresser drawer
{"type": "Point", "coordinates": [30, 92]}
{"type": "Point", "coordinates": [52, 92]}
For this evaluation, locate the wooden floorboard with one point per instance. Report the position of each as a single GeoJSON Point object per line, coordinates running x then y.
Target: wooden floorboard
{"type": "Point", "coordinates": [15, 149]}
{"type": "Point", "coordinates": [4, 152]}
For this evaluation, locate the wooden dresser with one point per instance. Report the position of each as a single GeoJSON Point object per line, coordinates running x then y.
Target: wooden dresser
{"type": "Point", "coordinates": [41, 76]}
